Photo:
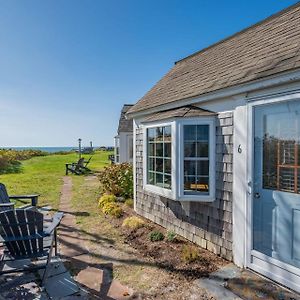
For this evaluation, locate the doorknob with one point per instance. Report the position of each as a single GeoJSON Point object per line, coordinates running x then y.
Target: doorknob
{"type": "Point", "coordinates": [257, 195]}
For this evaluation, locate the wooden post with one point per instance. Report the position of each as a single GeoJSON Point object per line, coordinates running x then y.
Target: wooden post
{"type": "Point", "coordinates": [79, 148]}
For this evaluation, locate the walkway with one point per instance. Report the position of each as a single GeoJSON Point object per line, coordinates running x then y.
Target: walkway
{"type": "Point", "coordinates": [95, 279]}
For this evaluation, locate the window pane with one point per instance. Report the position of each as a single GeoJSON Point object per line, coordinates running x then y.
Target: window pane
{"type": "Point", "coordinates": [202, 132]}
{"type": "Point", "coordinates": [151, 134]}
{"type": "Point", "coordinates": [287, 179]}
{"type": "Point", "coordinates": [151, 164]}
{"type": "Point", "coordinates": [168, 149]}
{"type": "Point", "coordinates": [189, 132]}
{"type": "Point", "coordinates": [159, 165]}
{"type": "Point", "coordinates": [167, 166]}
{"type": "Point", "coordinates": [189, 167]}
{"type": "Point", "coordinates": [159, 134]}
{"type": "Point", "coordinates": [196, 163]}
{"type": "Point", "coordinates": [202, 184]}
{"type": "Point", "coordinates": [202, 149]}
{"type": "Point", "coordinates": [189, 149]}
{"type": "Point", "coordinates": [203, 167]}
{"type": "Point", "coordinates": [167, 182]}
{"type": "Point", "coordinates": [151, 148]}
{"type": "Point", "coordinates": [190, 183]}
{"type": "Point", "coordinates": [159, 179]}
{"type": "Point", "coordinates": [167, 133]}
{"type": "Point", "coordinates": [151, 178]}
{"type": "Point", "coordinates": [287, 152]}
{"type": "Point", "coordinates": [159, 149]}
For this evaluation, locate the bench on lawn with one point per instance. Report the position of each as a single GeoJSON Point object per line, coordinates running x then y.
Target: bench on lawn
{"type": "Point", "coordinates": [78, 168]}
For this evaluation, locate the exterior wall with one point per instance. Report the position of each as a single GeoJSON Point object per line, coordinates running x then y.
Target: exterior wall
{"type": "Point", "coordinates": [207, 224]}
{"type": "Point", "coordinates": [125, 138]}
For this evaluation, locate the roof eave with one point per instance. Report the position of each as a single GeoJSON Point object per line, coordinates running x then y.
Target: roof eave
{"type": "Point", "coordinates": [270, 81]}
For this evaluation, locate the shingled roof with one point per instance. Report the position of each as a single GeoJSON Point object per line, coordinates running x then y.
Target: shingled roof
{"type": "Point", "coordinates": [124, 124]}
{"type": "Point", "coordinates": [180, 112]}
{"type": "Point", "coordinates": [264, 49]}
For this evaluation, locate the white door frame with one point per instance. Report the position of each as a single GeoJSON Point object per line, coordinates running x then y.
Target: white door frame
{"type": "Point", "coordinates": [272, 268]}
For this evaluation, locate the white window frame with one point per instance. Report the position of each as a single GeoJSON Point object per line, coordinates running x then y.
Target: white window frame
{"type": "Point", "coordinates": [169, 193]}
{"type": "Point", "coordinates": [177, 172]}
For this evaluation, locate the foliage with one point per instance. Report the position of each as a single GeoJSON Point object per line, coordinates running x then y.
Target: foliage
{"type": "Point", "coordinates": [129, 202]}
{"type": "Point", "coordinates": [155, 236]}
{"type": "Point", "coordinates": [189, 254]}
{"type": "Point", "coordinates": [112, 209]}
{"type": "Point", "coordinates": [117, 179]}
{"type": "Point", "coordinates": [105, 199]}
{"type": "Point", "coordinates": [133, 222]}
{"type": "Point", "coordinates": [171, 236]}
{"type": "Point", "coordinates": [10, 159]}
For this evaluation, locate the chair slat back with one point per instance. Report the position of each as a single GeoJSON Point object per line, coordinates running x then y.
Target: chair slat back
{"type": "Point", "coordinates": [79, 164]}
{"type": "Point", "coordinates": [4, 198]}
{"type": "Point", "coordinates": [24, 228]}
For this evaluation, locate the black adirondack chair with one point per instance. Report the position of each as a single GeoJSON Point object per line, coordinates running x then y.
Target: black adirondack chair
{"type": "Point", "coordinates": [24, 235]}
{"type": "Point", "coordinates": [7, 204]}
{"type": "Point", "coordinates": [111, 157]}
{"type": "Point", "coordinates": [78, 168]}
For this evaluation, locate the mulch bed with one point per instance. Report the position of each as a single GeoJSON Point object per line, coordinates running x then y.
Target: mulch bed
{"type": "Point", "coordinates": [165, 254]}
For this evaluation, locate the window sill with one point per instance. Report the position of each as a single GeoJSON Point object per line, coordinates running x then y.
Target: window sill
{"type": "Point", "coordinates": [184, 198]}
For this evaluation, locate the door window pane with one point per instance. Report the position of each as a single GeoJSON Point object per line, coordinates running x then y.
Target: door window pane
{"type": "Point", "coordinates": [159, 156]}
{"type": "Point", "coordinates": [281, 148]}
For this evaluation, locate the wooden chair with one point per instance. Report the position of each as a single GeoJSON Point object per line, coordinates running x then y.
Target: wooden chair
{"type": "Point", "coordinates": [7, 204]}
{"type": "Point", "coordinates": [24, 236]}
{"type": "Point", "coordinates": [111, 157]}
{"type": "Point", "coordinates": [78, 168]}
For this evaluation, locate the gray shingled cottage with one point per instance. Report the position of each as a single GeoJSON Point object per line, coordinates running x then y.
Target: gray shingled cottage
{"type": "Point", "coordinates": [124, 138]}
{"type": "Point", "coordinates": [217, 148]}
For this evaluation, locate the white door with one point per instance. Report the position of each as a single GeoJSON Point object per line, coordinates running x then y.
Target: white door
{"type": "Point", "coordinates": [276, 192]}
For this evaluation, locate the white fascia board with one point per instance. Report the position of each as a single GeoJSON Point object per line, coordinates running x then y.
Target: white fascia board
{"type": "Point", "coordinates": [226, 92]}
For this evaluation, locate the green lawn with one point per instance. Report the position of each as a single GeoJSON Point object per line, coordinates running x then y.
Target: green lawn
{"type": "Point", "coordinates": [43, 175]}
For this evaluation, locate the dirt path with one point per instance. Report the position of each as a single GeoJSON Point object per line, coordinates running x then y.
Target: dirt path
{"type": "Point", "coordinates": [94, 278]}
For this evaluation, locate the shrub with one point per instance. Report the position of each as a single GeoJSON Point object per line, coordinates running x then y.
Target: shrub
{"type": "Point", "coordinates": [129, 202]}
{"type": "Point", "coordinates": [155, 236]}
{"type": "Point", "coordinates": [171, 236]}
{"type": "Point", "coordinates": [106, 199]}
{"type": "Point", "coordinates": [112, 209]}
{"type": "Point", "coordinates": [118, 180]}
{"type": "Point", "coordinates": [133, 222]}
{"type": "Point", "coordinates": [189, 254]}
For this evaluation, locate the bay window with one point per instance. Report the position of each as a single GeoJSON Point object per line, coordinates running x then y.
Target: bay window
{"type": "Point", "coordinates": [179, 158]}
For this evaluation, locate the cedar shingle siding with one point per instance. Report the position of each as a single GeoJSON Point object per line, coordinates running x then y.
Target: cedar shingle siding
{"type": "Point", "coordinates": [267, 48]}
{"type": "Point", "coordinates": [206, 224]}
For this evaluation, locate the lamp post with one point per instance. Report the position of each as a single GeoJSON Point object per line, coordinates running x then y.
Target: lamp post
{"type": "Point", "coordinates": [79, 147]}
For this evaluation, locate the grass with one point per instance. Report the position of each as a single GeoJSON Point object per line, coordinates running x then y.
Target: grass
{"type": "Point", "coordinates": [43, 175]}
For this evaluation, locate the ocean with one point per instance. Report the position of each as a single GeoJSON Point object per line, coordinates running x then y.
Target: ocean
{"type": "Point", "coordinates": [46, 149]}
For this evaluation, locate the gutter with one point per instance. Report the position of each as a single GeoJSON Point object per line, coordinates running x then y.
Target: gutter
{"type": "Point", "coordinates": [273, 81]}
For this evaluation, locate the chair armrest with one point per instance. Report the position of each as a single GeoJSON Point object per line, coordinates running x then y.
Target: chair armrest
{"type": "Point", "coordinates": [24, 196]}
{"type": "Point", "coordinates": [55, 222]}
{"type": "Point", "coordinates": [33, 197]}
{"type": "Point", "coordinates": [6, 204]}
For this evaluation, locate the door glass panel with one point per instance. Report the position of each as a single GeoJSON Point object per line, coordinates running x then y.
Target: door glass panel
{"type": "Point", "coordinates": [276, 193]}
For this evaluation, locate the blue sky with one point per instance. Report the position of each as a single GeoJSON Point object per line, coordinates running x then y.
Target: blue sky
{"type": "Point", "coordinates": [67, 66]}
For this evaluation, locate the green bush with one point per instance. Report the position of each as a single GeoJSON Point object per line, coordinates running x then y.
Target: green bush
{"type": "Point", "coordinates": [129, 202]}
{"type": "Point", "coordinates": [118, 180]}
{"type": "Point", "coordinates": [112, 209]}
{"type": "Point", "coordinates": [133, 222]}
{"type": "Point", "coordinates": [189, 254]}
{"type": "Point", "coordinates": [155, 236]}
{"type": "Point", "coordinates": [106, 199]}
{"type": "Point", "coordinates": [171, 236]}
